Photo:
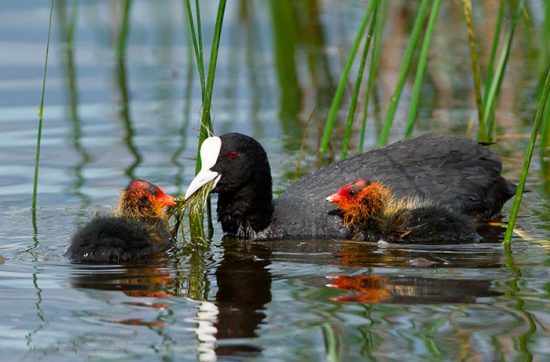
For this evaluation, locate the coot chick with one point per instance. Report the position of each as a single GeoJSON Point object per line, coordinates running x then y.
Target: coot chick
{"type": "Point", "coordinates": [454, 172]}
{"type": "Point", "coordinates": [136, 229]}
{"type": "Point", "coordinates": [370, 212]}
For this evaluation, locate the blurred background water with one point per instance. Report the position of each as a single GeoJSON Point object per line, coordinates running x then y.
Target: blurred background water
{"type": "Point", "coordinates": [108, 119]}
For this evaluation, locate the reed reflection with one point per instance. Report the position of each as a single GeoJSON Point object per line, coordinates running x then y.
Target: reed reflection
{"type": "Point", "coordinates": [67, 26]}
{"type": "Point", "coordinates": [122, 84]}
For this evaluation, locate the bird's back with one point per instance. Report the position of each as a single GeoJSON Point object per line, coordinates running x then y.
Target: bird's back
{"type": "Point", "coordinates": [457, 173]}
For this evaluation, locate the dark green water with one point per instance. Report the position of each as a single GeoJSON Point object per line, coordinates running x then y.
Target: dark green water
{"type": "Point", "coordinates": [108, 119]}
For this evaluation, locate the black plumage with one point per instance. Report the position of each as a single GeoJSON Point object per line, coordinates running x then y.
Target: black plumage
{"type": "Point", "coordinates": [137, 229]}
{"type": "Point", "coordinates": [454, 172]}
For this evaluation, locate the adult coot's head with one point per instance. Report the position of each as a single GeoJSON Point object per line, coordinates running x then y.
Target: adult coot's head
{"type": "Point", "coordinates": [239, 167]}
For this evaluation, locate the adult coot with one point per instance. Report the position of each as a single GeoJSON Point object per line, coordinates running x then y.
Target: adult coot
{"type": "Point", "coordinates": [370, 212]}
{"type": "Point", "coordinates": [137, 228]}
{"type": "Point", "coordinates": [454, 172]}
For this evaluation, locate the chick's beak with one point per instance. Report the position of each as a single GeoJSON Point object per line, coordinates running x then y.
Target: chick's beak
{"type": "Point", "coordinates": [335, 197]}
{"type": "Point", "coordinates": [169, 201]}
{"type": "Point", "coordinates": [166, 199]}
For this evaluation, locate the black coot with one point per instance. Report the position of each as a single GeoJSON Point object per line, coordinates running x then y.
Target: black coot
{"type": "Point", "coordinates": [137, 228]}
{"type": "Point", "coordinates": [454, 172]}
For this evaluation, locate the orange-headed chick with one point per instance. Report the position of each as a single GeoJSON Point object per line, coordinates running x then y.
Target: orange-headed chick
{"type": "Point", "coordinates": [361, 200]}
{"type": "Point", "coordinates": [372, 213]}
{"type": "Point", "coordinates": [138, 228]}
{"type": "Point", "coordinates": [143, 200]}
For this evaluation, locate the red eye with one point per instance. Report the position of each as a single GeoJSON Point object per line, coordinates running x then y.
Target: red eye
{"type": "Point", "coordinates": [233, 155]}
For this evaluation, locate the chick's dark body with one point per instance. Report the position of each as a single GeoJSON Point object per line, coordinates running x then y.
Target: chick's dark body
{"type": "Point", "coordinates": [114, 239]}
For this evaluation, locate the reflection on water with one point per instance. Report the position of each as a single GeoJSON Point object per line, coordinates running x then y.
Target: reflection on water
{"type": "Point", "coordinates": [409, 290]}
{"type": "Point", "coordinates": [118, 112]}
{"type": "Point", "coordinates": [230, 319]}
{"type": "Point", "coordinates": [244, 290]}
{"type": "Point", "coordinates": [234, 298]}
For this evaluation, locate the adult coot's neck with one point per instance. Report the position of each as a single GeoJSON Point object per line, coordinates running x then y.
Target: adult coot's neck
{"type": "Point", "coordinates": [244, 185]}
{"type": "Point", "coordinates": [246, 211]}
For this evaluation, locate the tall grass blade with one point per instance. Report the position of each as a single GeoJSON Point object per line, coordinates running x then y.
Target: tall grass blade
{"type": "Point", "coordinates": [196, 215]}
{"type": "Point", "coordinates": [476, 71]}
{"type": "Point", "coordinates": [490, 98]}
{"type": "Point", "coordinates": [40, 122]}
{"type": "Point", "coordinates": [421, 68]}
{"type": "Point", "coordinates": [494, 48]}
{"type": "Point", "coordinates": [544, 61]}
{"type": "Point", "coordinates": [357, 86]}
{"type": "Point", "coordinates": [527, 161]}
{"type": "Point", "coordinates": [197, 44]}
{"type": "Point", "coordinates": [544, 46]}
{"type": "Point", "coordinates": [124, 28]}
{"type": "Point", "coordinates": [285, 45]}
{"type": "Point", "coordinates": [380, 21]}
{"type": "Point", "coordinates": [207, 128]}
{"type": "Point", "coordinates": [545, 139]}
{"type": "Point", "coordinates": [342, 83]}
{"type": "Point", "coordinates": [199, 35]}
{"type": "Point", "coordinates": [403, 72]}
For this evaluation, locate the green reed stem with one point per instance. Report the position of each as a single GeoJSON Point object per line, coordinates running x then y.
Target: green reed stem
{"type": "Point", "coordinates": [124, 28]}
{"type": "Point", "coordinates": [494, 48]}
{"type": "Point", "coordinates": [207, 128]}
{"type": "Point", "coordinates": [476, 72]}
{"type": "Point", "coordinates": [357, 86]}
{"type": "Point", "coordinates": [544, 138]}
{"type": "Point", "coordinates": [337, 100]}
{"type": "Point", "coordinates": [544, 61]}
{"type": "Point", "coordinates": [196, 47]}
{"type": "Point", "coordinates": [199, 35]}
{"type": "Point", "coordinates": [40, 121]}
{"type": "Point", "coordinates": [196, 216]}
{"type": "Point", "coordinates": [527, 161]}
{"type": "Point", "coordinates": [380, 21]}
{"type": "Point", "coordinates": [490, 98]}
{"type": "Point", "coordinates": [403, 72]}
{"type": "Point", "coordinates": [421, 68]}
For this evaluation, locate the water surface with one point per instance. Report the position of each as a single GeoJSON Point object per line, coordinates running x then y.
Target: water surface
{"type": "Point", "coordinates": [108, 119]}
